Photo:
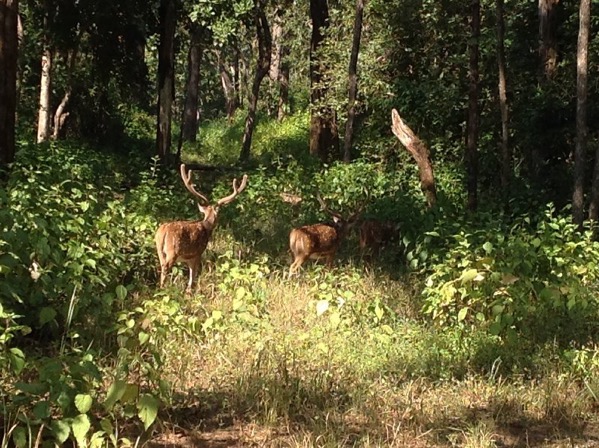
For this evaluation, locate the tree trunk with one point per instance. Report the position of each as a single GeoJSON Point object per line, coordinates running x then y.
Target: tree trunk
{"type": "Point", "coordinates": [581, 113]}
{"type": "Point", "coordinates": [421, 154]}
{"type": "Point", "coordinates": [472, 137]}
{"type": "Point", "coordinates": [283, 106]}
{"type": "Point", "coordinates": [231, 100]}
{"type": "Point", "coordinates": [43, 115]}
{"type": "Point", "coordinates": [324, 135]}
{"type": "Point", "coordinates": [505, 153]}
{"type": "Point", "coordinates": [548, 36]}
{"type": "Point", "coordinates": [166, 77]}
{"type": "Point", "coordinates": [60, 115]}
{"type": "Point", "coordinates": [9, 10]}
{"type": "Point", "coordinates": [189, 125]}
{"type": "Point", "coordinates": [262, 68]}
{"type": "Point", "coordinates": [353, 81]}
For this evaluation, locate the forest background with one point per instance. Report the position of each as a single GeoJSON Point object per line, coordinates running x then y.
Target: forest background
{"type": "Point", "coordinates": [476, 326]}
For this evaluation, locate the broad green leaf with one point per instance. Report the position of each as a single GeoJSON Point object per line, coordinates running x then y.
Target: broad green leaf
{"type": "Point", "coordinates": [121, 292]}
{"type": "Point", "coordinates": [81, 426]}
{"type": "Point", "coordinates": [462, 314]}
{"type": "Point", "coordinates": [495, 328]}
{"type": "Point", "coordinates": [148, 409]}
{"type": "Point", "coordinates": [47, 314]}
{"type": "Point", "coordinates": [41, 410]}
{"type": "Point", "coordinates": [98, 440]}
{"type": "Point", "coordinates": [83, 402]}
{"type": "Point", "coordinates": [143, 337]}
{"type": "Point", "coordinates": [488, 247]}
{"type": "Point", "coordinates": [468, 275]}
{"type": "Point", "coordinates": [321, 307]}
{"type": "Point", "coordinates": [61, 430]}
{"type": "Point", "coordinates": [115, 392]}
{"type": "Point", "coordinates": [131, 393]}
{"type": "Point", "coordinates": [378, 311]}
{"type": "Point", "coordinates": [17, 360]}
{"type": "Point", "coordinates": [240, 293]}
{"type": "Point", "coordinates": [19, 437]}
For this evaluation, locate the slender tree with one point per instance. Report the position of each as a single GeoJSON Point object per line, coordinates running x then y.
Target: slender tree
{"type": "Point", "coordinates": [189, 125]}
{"type": "Point", "coordinates": [324, 135]}
{"type": "Point", "coordinates": [581, 112]}
{"type": "Point", "coordinates": [262, 68]}
{"type": "Point", "coordinates": [353, 81]}
{"type": "Point", "coordinates": [505, 152]}
{"type": "Point", "coordinates": [548, 36]}
{"type": "Point", "coordinates": [45, 108]}
{"type": "Point", "coordinates": [473, 127]}
{"type": "Point", "coordinates": [166, 77]}
{"type": "Point", "coordinates": [9, 11]}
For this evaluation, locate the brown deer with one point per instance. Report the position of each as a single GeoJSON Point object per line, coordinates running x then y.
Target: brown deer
{"type": "Point", "coordinates": [319, 240]}
{"type": "Point", "coordinates": [187, 240]}
{"type": "Point", "coordinates": [374, 234]}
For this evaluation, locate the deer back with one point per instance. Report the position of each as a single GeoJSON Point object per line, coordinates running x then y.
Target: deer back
{"type": "Point", "coordinates": [185, 239]}
{"type": "Point", "coordinates": [317, 239]}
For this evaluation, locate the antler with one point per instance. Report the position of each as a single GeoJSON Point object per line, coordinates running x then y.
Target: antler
{"type": "Point", "coordinates": [187, 181]}
{"type": "Point", "coordinates": [236, 191]}
{"type": "Point", "coordinates": [327, 209]}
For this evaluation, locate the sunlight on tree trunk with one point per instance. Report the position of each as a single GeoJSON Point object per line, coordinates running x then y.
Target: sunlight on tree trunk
{"type": "Point", "coordinates": [43, 120]}
{"type": "Point", "coordinates": [421, 155]}
{"type": "Point", "coordinates": [505, 153]}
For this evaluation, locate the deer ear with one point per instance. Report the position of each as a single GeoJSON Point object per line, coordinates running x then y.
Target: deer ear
{"type": "Point", "coordinates": [202, 209]}
{"type": "Point", "coordinates": [336, 219]}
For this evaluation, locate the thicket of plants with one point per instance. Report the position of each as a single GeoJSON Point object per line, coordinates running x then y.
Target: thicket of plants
{"type": "Point", "coordinates": [90, 346]}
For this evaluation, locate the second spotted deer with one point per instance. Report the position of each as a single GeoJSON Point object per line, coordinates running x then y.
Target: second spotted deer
{"type": "Point", "coordinates": [321, 240]}
{"type": "Point", "coordinates": [374, 234]}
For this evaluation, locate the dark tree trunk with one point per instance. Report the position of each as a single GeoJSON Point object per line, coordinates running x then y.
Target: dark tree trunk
{"type": "Point", "coordinates": [189, 125]}
{"type": "Point", "coordinates": [505, 153]}
{"type": "Point", "coordinates": [9, 10]}
{"type": "Point", "coordinates": [283, 106]}
{"type": "Point", "coordinates": [353, 81]}
{"type": "Point", "coordinates": [324, 135]}
{"type": "Point", "coordinates": [421, 155]}
{"type": "Point", "coordinates": [581, 113]}
{"type": "Point", "coordinates": [548, 36]}
{"type": "Point", "coordinates": [166, 77]}
{"type": "Point", "coordinates": [472, 136]}
{"type": "Point", "coordinates": [262, 68]}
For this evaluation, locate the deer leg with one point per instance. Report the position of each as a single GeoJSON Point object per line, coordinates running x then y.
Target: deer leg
{"type": "Point", "coordinates": [165, 267]}
{"type": "Point", "coordinates": [194, 270]}
{"type": "Point", "coordinates": [297, 263]}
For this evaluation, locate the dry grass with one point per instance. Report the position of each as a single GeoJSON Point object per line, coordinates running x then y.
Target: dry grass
{"type": "Point", "coordinates": [281, 375]}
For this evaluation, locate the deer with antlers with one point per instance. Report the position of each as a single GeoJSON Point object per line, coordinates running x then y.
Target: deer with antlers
{"type": "Point", "coordinates": [319, 240]}
{"type": "Point", "coordinates": [374, 234]}
{"type": "Point", "coordinates": [187, 240]}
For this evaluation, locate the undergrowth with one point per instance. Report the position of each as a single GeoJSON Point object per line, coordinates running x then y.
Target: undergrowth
{"type": "Point", "coordinates": [463, 328]}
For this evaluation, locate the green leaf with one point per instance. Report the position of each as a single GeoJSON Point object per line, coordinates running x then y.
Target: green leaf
{"type": "Point", "coordinates": [17, 360]}
{"type": "Point", "coordinates": [81, 426]}
{"type": "Point", "coordinates": [495, 328]}
{"type": "Point", "coordinates": [115, 392]}
{"type": "Point", "coordinates": [83, 402]}
{"type": "Point", "coordinates": [462, 314]}
{"type": "Point", "coordinates": [143, 337]}
{"type": "Point", "coordinates": [240, 293]}
{"type": "Point", "coordinates": [468, 275]}
{"type": "Point", "coordinates": [47, 314]}
{"type": "Point", "coordinates": [19, 437]}
{"type": "Point", "coordinates": [321, 307]}
{"type": "Point", "coordinates": [335, 319]}
{"type": "Point", "coordinates": [488, 247]}
{"type": "Point", "coordinates": [131, 393]}
{"type": "Point", "coordinates": [61, 430]}
{"type": "Point", "coordinates": [41, 410]}
{"type": "Point", "coordinates": [121, 292]}
{"type": "Point", "coordinates": [148, 409]}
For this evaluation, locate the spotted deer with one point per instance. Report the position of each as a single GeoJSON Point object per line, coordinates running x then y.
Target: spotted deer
{"type": "Point", "coordinates": [319, 240]}
{"type": "Point", "coordinates": [374, 234]}
{"type": "Point", "coordinates": [187, 240]}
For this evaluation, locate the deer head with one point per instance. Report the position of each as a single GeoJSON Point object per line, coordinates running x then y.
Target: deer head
{"type": "Point", "coordinates": [319, 240]}
{"type": "Point", "coordinates": [187, 240]}
{"type": "Point", "coordinates": [374, 234]}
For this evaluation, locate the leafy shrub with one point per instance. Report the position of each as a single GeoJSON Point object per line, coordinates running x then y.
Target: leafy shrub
{"type": "Point", "coordinates": [537, 280]}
